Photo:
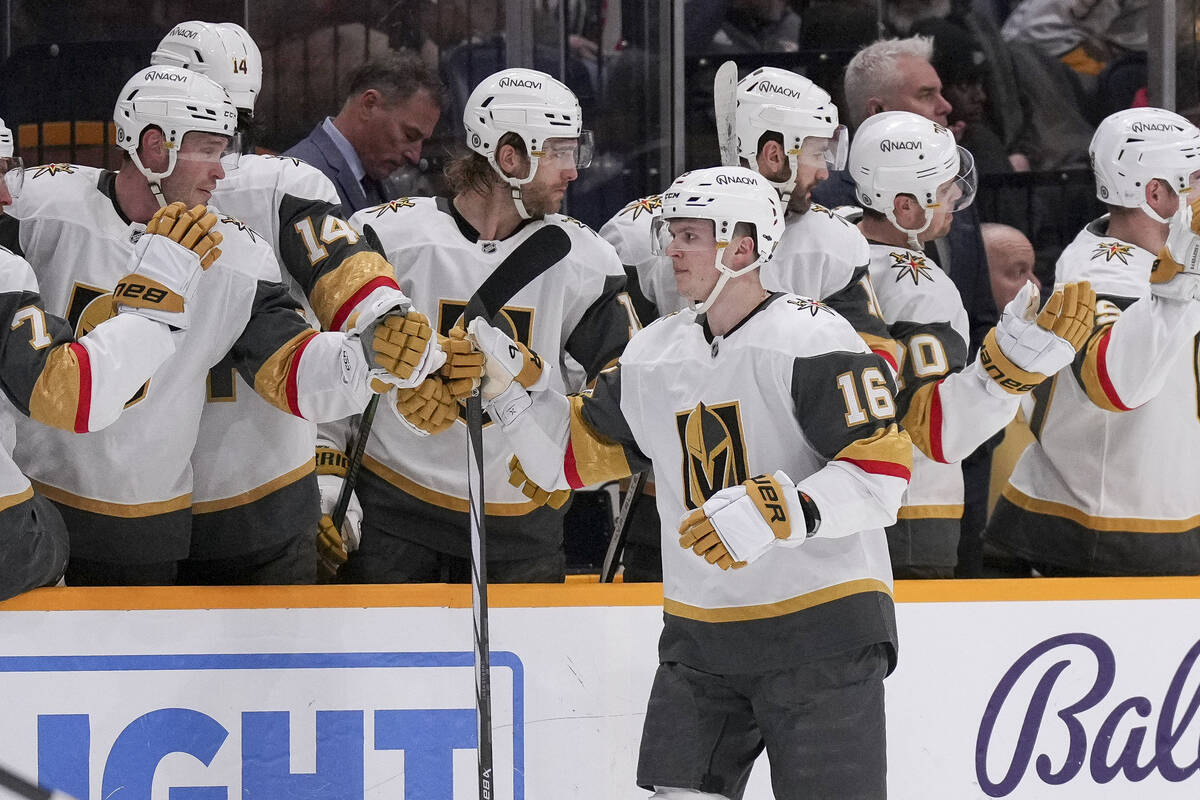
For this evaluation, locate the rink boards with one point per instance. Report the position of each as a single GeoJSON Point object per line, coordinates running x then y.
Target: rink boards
{"type": "Point", "coordinates": [1024, 689]}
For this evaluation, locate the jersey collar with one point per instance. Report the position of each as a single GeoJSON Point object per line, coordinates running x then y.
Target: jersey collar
{"type": "Point", "coordinates": [702, 319]}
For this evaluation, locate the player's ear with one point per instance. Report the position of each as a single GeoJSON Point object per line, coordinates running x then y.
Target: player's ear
{"type": "Point", "coordinates": [152, 149]}
{"type": "Point", "coordinates": [511, 161]}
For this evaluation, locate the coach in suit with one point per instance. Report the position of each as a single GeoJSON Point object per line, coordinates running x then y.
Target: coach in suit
{"type": "Point", "coordinates": [392, 107]}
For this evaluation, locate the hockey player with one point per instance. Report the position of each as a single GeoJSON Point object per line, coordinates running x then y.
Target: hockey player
{"type": "Point", "coordinates": [255, 493]}
{"type": "Point", "coordinates": [525, 130]}
{"type": "Point", "coordinates": [126, 493]}
{"type": "Point", "coordinates": [911, 177]}
{"type": "Point", "coordinates": [787, 130]}
{"type": "Point", "coordinates": [1107, 487]}
{"type": "Point", "coordinates": [78, 385]}
{"type": "Point", "coordinates": [770, 425]}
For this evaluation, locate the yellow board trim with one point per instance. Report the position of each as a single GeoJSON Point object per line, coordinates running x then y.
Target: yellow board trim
{"type": "Point", "coordinates": [123, 510]}
{"type": "Point", "coordinates": [439, 499]}
{"type": "Point", "coordinates": [257, 493]}
{"type": "Point", "coordinates": [1121, 524]}
{"type": "Point", "coordinates": [777, 609]}
{"type": "Point", "coordinates": [58, 134]}
{"type": "Point", "coordinates": [571, 594]}
{"type": "Point", "coordinates": [11, 500]}
{"type": "Point", "coordinates": [930, 512]}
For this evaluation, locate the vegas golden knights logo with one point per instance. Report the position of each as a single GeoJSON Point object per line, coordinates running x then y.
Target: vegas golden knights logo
{"type": "Point", "coordinates": [516, 322]}
{"type": "Point", "coordinates": [714, 451]}
{"type": "Point", "coordinates": [87, 308]}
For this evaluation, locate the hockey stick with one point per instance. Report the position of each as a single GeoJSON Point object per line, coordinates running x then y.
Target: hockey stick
{"type": "Point", "coordinates": [14, 783]}
{"type": "Point", "coordinates": [543, 249]}
{"type": "Point", "coordinates": [621, 528]}
{"type": "Point", "coordinates": [356, 456]}
{"type": "Point", "coordinates": [725, 105]}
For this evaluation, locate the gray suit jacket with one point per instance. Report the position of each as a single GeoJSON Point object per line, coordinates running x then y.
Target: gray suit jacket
{"type": "Point", "coordinates": [319, 150]}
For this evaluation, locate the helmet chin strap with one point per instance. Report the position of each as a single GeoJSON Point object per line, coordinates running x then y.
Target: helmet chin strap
{"type": "Point", "coordinates": [725, 274]}
{"type": "Point", "coordinates": [518, 184]}
{"type": "Point", "coordinates": [154, 179]}
{"type": "Point", "coordinates": [1154, 215]}
{"type": "Point", "coordinates": [787, 186]}
{"type": "Point", "coordinates": [913, 242]}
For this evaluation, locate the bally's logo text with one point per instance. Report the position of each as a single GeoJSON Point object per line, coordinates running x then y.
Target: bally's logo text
{"type": "Point", "coordinates": [275, 726]}
{"type": "Point", "coordinates": [1055, 727]}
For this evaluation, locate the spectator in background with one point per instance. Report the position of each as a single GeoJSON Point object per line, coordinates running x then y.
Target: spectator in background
{"type": "Point", "coordinates": [1084, 34]}
{"type": "Point", "coordinates": [757, 26]}
{"type": "Point", "coordinates": [391, 108]}
{"type": "Point", "coordinates": [1010, 261]}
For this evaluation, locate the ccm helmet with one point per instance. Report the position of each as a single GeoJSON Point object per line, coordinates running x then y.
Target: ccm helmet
{"type": "Point", "coordinates": [1133, 147]}
{"type": "Point", "coordinates": [725, 196]}
{"type": "Point", "coordinates": [12, 168]}
{"type": "Point", "coordinates": [223, 51]}
{"type": "Point", "coordinates": [776, 100]}
{"type": "Point", "coordinates": [898, 152]}
{"type": "Point", "coordinates": [532, 105]}
{"type": "Point", "coordinates": [177, 101]}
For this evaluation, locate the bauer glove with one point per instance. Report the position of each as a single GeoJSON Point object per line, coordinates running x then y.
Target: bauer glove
{"type": "Point", "coordinates": [463, 369]}
{"type": "Point", "coordinates": [1176, 273]}
{"type": "Point", "coordinates": [167, 263]}
{"type": "Point", "coordinates": [737, 525]}
{"type": "Point", "coordinates": [511, 371]}
{"type": "Point", "coordinates": [333, 546]}
{"type": "Point", "coordinates": [517, 477]}
{"type": "Point", "coordinates": [428, 408]}
{"type": "Point", "coordinates": [1026, 346]}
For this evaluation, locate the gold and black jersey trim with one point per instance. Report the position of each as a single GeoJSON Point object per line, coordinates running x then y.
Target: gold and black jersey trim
{"type": "Point", "coordinates": [1096, 522]}
{"type": "Point", "coordinates": [257, 493]}
{"type": "Point", "coordinates": [776, 609]}
{"type": "Point", "coordinates": [441, 499]}
{"type": "Point", "coordinates": [110, 509]}
{"type": "Point", "coordinates": [11, 500]}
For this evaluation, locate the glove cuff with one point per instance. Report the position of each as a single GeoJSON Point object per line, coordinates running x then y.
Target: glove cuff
{"type": "Point", "coordinates": [1007, 375]}
{"type": "Point", "coordinates": [509, 404]}
{"type": "Point", "coordinates": [331, 461]}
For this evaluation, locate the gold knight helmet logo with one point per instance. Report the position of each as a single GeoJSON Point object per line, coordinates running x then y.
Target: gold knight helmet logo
{"type": "Point", "coordinates": [714, 451]}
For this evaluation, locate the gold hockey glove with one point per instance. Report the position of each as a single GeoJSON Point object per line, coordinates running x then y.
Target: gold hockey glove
{"type": "Point", "coordinates": [463, 369]}
{"type": "Point", "coordinates": [400, 344]}
{"type": "Point", "coordinates": [1023, 349]}
{"type": "Point", "coordinates": [737, 525]}
{"type": "Point", "coordinates": [518, 478]}
{"type": "Point", "coordinates": [192, 229]}
{"type": "Point", "coordinates": [429, 407]}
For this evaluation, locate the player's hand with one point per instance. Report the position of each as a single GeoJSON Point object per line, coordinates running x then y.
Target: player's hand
{"type": "Point", "coordinates": [428, 408]}
{"type": "Point", "coordinates": [191, 229]}
{"type": "Point", "coordinates": [164, 272]}
{"type": "Point", "coordinates": [403, 350]}
{"type": "Point", "coordinates": [507, 362]}
{"type": "Point", "coordinates": [541, 497]}
{"type": "Point", "coordinates": [737, 525]}
{"type": "Point", "coordinates": [1176, 273]}
{"type": "Point", "coordinates": [1026, 346]}
{"type": "Point", "coordinates": [333, 546]}
{"type": "Point", "coordinates": [463, 370]}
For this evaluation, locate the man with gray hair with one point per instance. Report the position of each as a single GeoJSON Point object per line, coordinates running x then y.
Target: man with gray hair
{"type": "Point", "coordinates": [895, 75]}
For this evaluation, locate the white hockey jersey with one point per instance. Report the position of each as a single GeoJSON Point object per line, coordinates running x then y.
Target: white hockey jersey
{"type": "Point", "coordinates": [575, 316]}
{"type": "Point", "coordinates": [944, 403]}
{"type": "Point", "coordinates": [1108, 487]}
{"type": "Point", "coordinates": [126, 491]}
{"type": "Point", "coordinates": [791, 387]}
{"type": "Point", "coordinates": [820, 255]}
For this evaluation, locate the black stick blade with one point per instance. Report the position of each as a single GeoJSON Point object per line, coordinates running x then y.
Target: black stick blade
{"type": "Point", "coordinates": [544, 248]}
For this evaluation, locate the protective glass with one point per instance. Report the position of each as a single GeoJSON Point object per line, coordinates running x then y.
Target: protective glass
{"type": "Point", "coordinates": [564, 153]}
{"type": "Point", "coordinates": [226, 149]}
{"type": "Point", "coordinates": [682, 235]}
{"type": "Point", "coordinates": [959, 191]}
{"type": "Point", "coordinates": [830, 153]}
{"type": "Point", "coordinates": [13, 170]}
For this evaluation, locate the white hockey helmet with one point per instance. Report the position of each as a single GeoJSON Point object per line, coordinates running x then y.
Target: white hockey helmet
{"type": "Point", "coordinates": [1133, 147]}
{"type": "Point", "coordinates": [223, 51]}
{"type": "Point", "coordinates": [898, 152]}
{"type": "Point", "coordinates": [532, 105]}
{"type": "Point", "coordinates": [777, 100]}
{"type": "Point", "coordinates": [12, 168]}
{"type": "Point", "coordinates": [177, 101]}
{"type": "Point", "coordinates": [726, 196]}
